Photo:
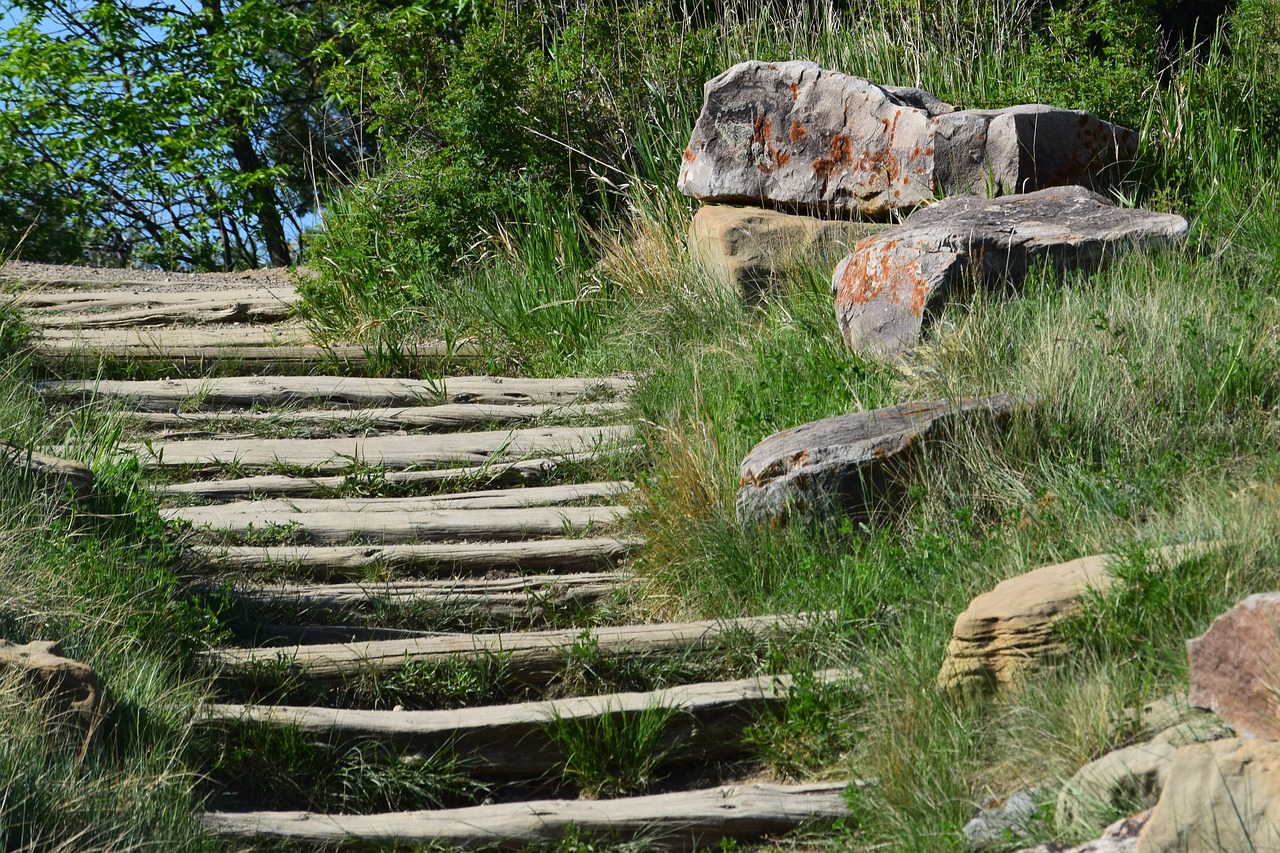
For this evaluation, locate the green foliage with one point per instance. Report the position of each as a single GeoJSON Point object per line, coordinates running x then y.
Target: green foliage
{"type": "Point", "coordinates": [613, 755]}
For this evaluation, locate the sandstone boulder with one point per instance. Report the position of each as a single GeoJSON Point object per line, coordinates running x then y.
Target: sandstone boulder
{"type": "Point", "coordinates": [1012, 629]}
{"type": "Point", "coordinates": [795, 136]}
{"type": "Point", "coordinates": [1223, 795]}
{"type": "Point", "coordinates": [1235, 667]}
{"type": "Point", "coordinates": [1128, 778]}
{"type": "Point", "coordinates": [751, 247]}
{"type": "Point", "coordinates": [854, 464]}
{"type": "Point", "coordinates": [49, 473]}
{"type": "Point", "coordinates": [70, 686]}
{"type": "Point", "coordinates": [894, 280]}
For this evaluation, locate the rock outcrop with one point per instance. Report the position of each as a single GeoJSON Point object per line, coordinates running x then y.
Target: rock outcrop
{"type": "Point", "coordinates": [1223, 795]}
{"type": "Point", "coordinates": [752, 247]}
{"type": "Point", "coordinates": [894, 280]}
{"type": "Point", "coordinates": [1235, 667]}
{"type": "Point", "coordinates": [795, 136]}
{"type": "Point", "coordinates": [1011, 629]}
{"type": "Point", "coordinates": [856, 464]}
{"type": "Point", "coordinates": [69, 685]}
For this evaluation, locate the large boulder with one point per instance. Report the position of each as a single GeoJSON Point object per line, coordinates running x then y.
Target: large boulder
{"type": "Point", "coordinates": [70, 686]}
{"type": "Point", "coordinates": [1223, 795]}
{"type": "Point", "coordinates": [751, 247]}
{"type": "Point", "coordinates": [894, 280]}
{"type": "Point", "coordinates": [853, 464]}
{"type": "Point", "coordinates": [796, 136]}
{"type": "Point", "coordinates": [1131, 777]}
{"type": "Point", "coordinates": [1010, 630]}
{"type": "Point", "coordinates": [1235, 667]}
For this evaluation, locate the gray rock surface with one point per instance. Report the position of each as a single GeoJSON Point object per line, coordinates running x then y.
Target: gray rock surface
{"type": "Point", "coordinates": [1012, 817]}
{"type": "Point", "coordinates": [893, 280]}
{"type": "Point", "coordinates": [796, 136]}
{"type": "Point", "coordinates": [856, 464]}
{"type": "Point", "coordinates": [1235, 667]}
{"type": "Point", "coordinates": [751, 247]}
{"type": "Point", "coordinates": [1220, 796]}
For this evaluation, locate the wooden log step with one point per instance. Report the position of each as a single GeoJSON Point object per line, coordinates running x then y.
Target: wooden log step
{"type": "Point", "coordinates": [282, 346]}
{"type": "Point", "coordinates": [436, 525]}
{"type": "Point", "coordinates": [531, 656]}
{"type": "Point", "coordinates": [122, 298]}
{"type": "Point", "coordinates": [196, 313]}
{"type": "Point", "coordinates": [334, 455]}
{"type": "Point", "coordinates": [282, 485]}
{"type": "Point", "coordinates": [679, 821]}
{"type": "Point", "coordinates": [507, 741]}
{"type": "Point", "coordinates": [451, 416]}
{"type": "Point", "coordinates": [171, 395]}
{"type": "Point", "coordinates": [473, 558]}
{"type": "Point", "coordinates": [508, 600]}
{"type": "Point", "coordinates": [282, 511]}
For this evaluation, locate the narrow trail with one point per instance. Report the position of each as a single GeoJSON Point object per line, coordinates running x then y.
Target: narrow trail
{"type": "Point", "coordinates": [376, 538]}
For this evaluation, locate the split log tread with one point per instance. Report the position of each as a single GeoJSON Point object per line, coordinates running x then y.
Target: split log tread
{"type": "Point", "coordinates": [281, 510]}
{"type": "Point", "coordinates": [333, 455]}
{"type": "Point", "coordinates": [436, 525]}
{"type": "Point", "coordinates": [283, 485]}
{"type": "Point", "coordinates": [530, 656]}
{"type": "Point", "coordinates": [171, 395]}
{"type": "Point", "coordinates": [473, 558]}
{"type": "Point", "coordinates": [450, 416]}
{"type": "Point", "coordinates": [677, 821]}
{"type": "Point", "coordinates": [507, 600]}
{"type": "Point", "coordinates": [513, 740]}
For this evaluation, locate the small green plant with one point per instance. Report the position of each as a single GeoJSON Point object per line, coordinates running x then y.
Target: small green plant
{"type": "Point", "coordinates": [614, 754]}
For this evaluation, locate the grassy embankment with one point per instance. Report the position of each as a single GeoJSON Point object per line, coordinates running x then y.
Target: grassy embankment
{"type": "Point", "coordinates": [1158, 420]}
{"type": "Point", "coordinates": [1159, 424]}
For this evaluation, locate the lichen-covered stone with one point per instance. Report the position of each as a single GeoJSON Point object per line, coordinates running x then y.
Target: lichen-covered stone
{"type": "Point", "coordinates": [751, 247]}
{"type": "Point", "coordinates": [855, 464]}
{"type": "Point", "coordinates": [1235, 667]}
{"type": "Point", "coordinates": [796, 136]}
{"type": "Point", "coordinates": [892, 281]}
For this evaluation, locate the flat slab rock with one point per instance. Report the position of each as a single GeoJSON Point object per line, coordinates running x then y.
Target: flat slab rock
{"type": "Point", "coordinates": [752, 248]}
{"type": "Point", "coordinates": [796, 136]}
{"type": "Point", "coordinates": [894, 280]}
{"type": "Point", "coordinates": [1235, 667]}
{"type": "Point", "coordinates": [854, 464]}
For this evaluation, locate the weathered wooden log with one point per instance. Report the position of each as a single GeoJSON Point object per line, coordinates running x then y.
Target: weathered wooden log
{"type": "Point", "coordinates": [514, 740]}
{"type": "Point", "coordinates": [50, 474]}
{"type": "Point", "coordinates": [530, 656]}
{"type": "Point", "coordinates": [519, 601]}
{"type": "Point", "coordinates": [438, 525]}
{"type": "Point", "coordinates": [679, 821]}
{"type": "Point", "coordinates": [208, 313]}
{"type": "Point", "coordinates": [451, 416]}
{"type": "Point", "coordinates": [282, 511]}
{"type": "Point", "coordinates": [333, 455]}
{"type": "Point", "coordinates": [282, 485]}
{"type": "Point", "coordinates": [472, 558]}
{"type": "Point", "coordinates": [171, 395]}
